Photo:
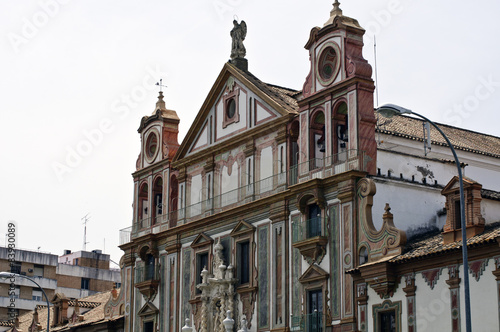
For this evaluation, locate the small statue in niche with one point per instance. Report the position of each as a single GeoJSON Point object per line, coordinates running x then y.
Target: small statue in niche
{"type": "Point", "coordinates": [238, 35]}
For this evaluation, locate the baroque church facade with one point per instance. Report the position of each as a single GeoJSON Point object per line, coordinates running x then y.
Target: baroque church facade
{"type": "Point", "coordinates": [281, 206]}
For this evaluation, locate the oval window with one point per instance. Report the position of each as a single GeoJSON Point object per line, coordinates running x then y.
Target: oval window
{"type": "Point", "coordinates": [231, 108]}
{"type": "Point", "coordinates": [327, 63]}
{"type": "Point", "coordinates": [151, 145]}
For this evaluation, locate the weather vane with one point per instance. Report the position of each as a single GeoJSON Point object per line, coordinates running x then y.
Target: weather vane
{"type": "Point", "coordinates": [160, 84]}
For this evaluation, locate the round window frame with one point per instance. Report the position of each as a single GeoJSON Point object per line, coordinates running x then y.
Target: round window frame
{"type": "Point", "coordinates": [229, 102]}
{"type": "Point", "coordinates": [149, 137]}
{"type": "Point", "coordinates": [336, 69]}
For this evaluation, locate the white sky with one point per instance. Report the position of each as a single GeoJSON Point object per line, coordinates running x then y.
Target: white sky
{"type": "Point", "coordinates": [76, 65]}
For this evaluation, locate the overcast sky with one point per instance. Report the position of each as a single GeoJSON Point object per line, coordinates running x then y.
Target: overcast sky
{"type": "Point", "coordinates": [77, 76]}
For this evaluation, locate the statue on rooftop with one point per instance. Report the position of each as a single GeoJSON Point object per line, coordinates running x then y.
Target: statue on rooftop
{"type": "Point", "coordinates": [238, 34]}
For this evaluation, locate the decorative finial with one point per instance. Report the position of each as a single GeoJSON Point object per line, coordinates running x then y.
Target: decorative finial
{"type": "Point", "coordinates": [387, 208]}
{"type": "Point", "coordinates": [336, 11]}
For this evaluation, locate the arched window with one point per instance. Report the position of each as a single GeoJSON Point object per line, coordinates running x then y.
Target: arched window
{"type": "Point", "coordinates": [317, 140]}
{"type": "Point", "coordinates": [174, 197]}
{"type": "Point", "coordinates": [340, 130]}
{"type": "Point", "coordinates": [363, 255]}
{"type": "Point", "coordinates": [143, 212]}
{"type": "Point", "coordinates": [157, 200]}
{"type": "Point", "coordinates": [293, 152]}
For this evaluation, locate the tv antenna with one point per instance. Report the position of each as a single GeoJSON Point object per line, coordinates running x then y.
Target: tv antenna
{"type": "Point", "coordinates": [160, 84]}
{"type": "Point", "coordinates": [85, 221]}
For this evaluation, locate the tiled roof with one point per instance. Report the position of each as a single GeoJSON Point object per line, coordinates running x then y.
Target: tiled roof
{"type": "Point", "coordinates": [432, 244]}
{"type": "Point", "coordinates": [490, 194]}
{"type": "Point", "coordinates": [95, 302]}
{"type": "Point", "coordinates": [462, 139]}
{"type": "Point", "coordinates": [282, 96]}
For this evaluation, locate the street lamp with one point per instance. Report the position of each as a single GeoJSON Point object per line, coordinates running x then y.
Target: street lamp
{"type": "Point", "coordinates": [388, 111]}
{"type": "Point", "coordinates": [9, 275]}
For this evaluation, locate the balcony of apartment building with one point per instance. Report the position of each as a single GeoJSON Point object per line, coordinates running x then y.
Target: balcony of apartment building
{"type": "Point", "coordinates": [317, 168]}
{"type": "Point", "coordinates": [310, 237]}
{"type": "Point", "coordinates": [147, 277]}
{"type": "Point", "coordinates": [313, 322]}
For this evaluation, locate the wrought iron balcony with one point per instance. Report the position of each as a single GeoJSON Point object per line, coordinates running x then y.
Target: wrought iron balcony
{"type": "Point", "coordinates": [147, 279]}
{"type": "Point", "coordinates": [303, 172]}
{"type": "Point", "coordinates": [314, 322]}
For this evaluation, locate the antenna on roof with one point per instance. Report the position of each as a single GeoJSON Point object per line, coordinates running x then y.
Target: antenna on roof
{"type": "Point", "coordinates": [86, 220]}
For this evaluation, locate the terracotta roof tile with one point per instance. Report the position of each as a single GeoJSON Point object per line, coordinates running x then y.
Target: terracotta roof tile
{"type": "Point", "coordinates": [432, 244]}
{"type": "Point", "coordinates": [95, 302]}
{"type": "Point", "coordinates": [490, 194]}
{"type": "Point", "coordinates": [462, 139]}
{"type": "Point", "coordinates": [283, 96]}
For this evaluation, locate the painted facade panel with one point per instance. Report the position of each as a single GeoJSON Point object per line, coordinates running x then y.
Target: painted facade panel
{"type": "Point", "coordinates": [264, 277]}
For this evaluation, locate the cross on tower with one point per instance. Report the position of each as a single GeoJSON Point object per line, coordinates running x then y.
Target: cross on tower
{"type": "Point", "coordinates": [160, 84]}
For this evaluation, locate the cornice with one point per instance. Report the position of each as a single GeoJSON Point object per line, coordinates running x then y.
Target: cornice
{"type": "Point", "coordinates": [328, 92]}
{"type": "Point", "coordinates": [234, 141]}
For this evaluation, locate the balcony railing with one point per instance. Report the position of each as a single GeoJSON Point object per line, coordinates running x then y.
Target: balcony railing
{"type": "Point", "coordinates": [314, 322]}
{"type": "Point", "coordinates": [311, 169]}
{"type": "Point", "coordinates": [146, 273]}
{"type": "Point", "coordinates": [303, 230]}
{"type": "Point", "coordinates": [125, 235]}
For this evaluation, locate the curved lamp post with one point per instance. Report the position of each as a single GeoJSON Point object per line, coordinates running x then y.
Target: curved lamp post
{"type": "Point", "coordinates": [8, 275]}
{"type": "Point", "coordinates": [388, 111]}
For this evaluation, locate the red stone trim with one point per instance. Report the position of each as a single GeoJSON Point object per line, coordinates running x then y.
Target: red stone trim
{"type": "Point", "coordinates": [477, 268]}
{"type": "Point", "coordinates": [432, 276]}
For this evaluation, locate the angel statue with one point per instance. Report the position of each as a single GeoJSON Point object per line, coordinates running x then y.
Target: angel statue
{"type": "Point", "coordinates": [238, 34]}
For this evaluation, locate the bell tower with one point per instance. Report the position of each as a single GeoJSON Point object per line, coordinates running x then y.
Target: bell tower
{"type": "Point", "coordinates": [154, 180]}
{"type": "Point", "coordinates": [339, 85]}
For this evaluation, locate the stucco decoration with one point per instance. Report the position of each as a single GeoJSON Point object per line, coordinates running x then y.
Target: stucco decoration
{"type": "Point", "coordinates": [217, 292]}
{"type": "Point", "coordinates": [477, 268]}
{"type": "Point", "coordinates": [432, 276]}
{"type": "Point", "coordinates": [304, 198]}
{"type": "Point", "coordinates": [116, 303]}
{"type": "Point", "coordinates": [383, 243]}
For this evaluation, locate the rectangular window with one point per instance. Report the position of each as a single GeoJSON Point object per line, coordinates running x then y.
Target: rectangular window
{"type": "Point", "coordinates": [76, 261]}
{"type": "Point", "coordinates": [85, 283]}
{"type": "Point", "coordinates": [314, 318]}
{"type": "Point", "coordinates": [38, 271]}
{"type": "Point", "coordinates": [243, 272]}
{"type": "Point", "coordinates": [387, 321]}
{"type": "Point", "coordinates": [37, 294]}
{"type": "Point", "coordinates": [458, 215]}
{"type": "Point", "coordinates": [148, 327]}
{"type": "Point", "coordinates": [314, 222]}
{"type": "Point", "coordinates": [201, 263]}
{"type": "Point", "coordinates": [159, 205]}
{"type": "Point", "coordinates": [15, 267]}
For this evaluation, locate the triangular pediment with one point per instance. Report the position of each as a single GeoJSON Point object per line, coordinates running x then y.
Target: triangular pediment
{"type": "Point", "coordinates": [202, 240]}
{"type": "Point", "coordinates": [454, 185]}
{"type": "Point", "coordinates": [148, 309]}
{"type": "Point", "coordinates": [256, 103]}
{"type": "Point", "coordinates": [313, 273]}
{"type": "Point", "coordinates": [242, 228]}
{"type": "Point", "coordinates": [58, 297]}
